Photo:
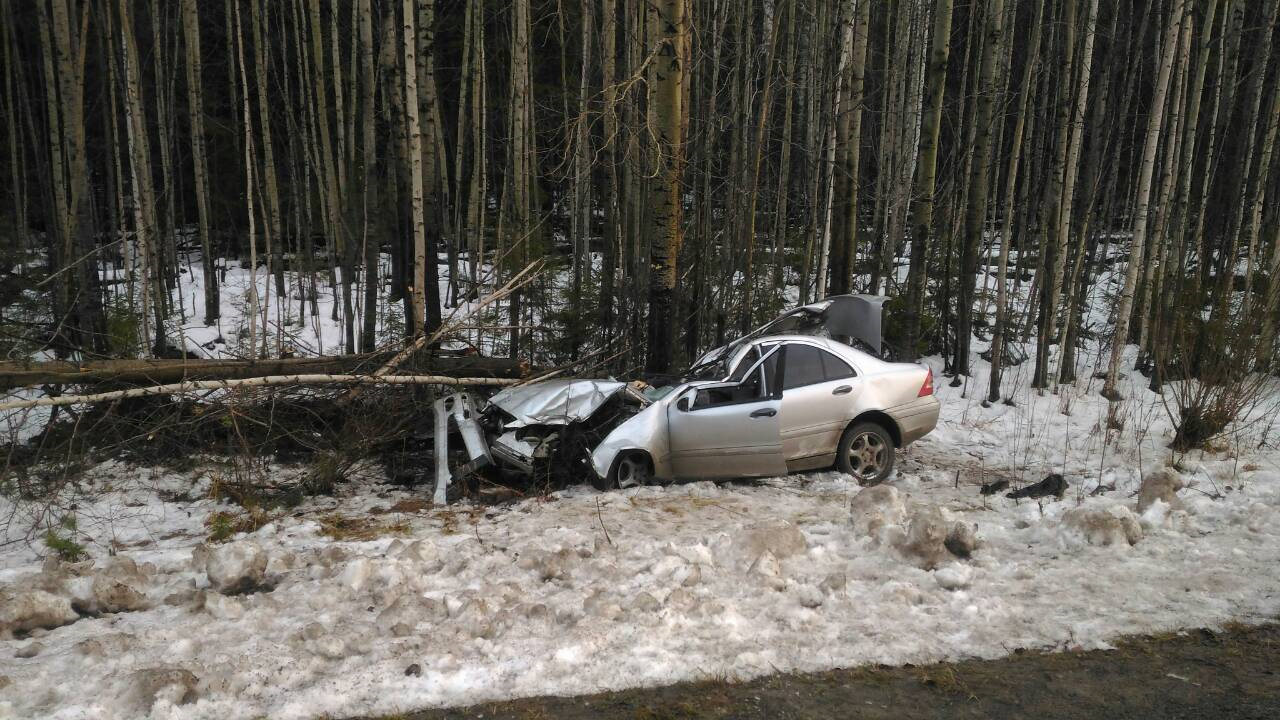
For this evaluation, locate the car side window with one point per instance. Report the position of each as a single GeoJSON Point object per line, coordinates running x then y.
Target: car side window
{"type": "Point", "coordinates": [750, 389]}
{"type": "Point", "coordinates": [803, 367]}
{"type": "Point", "coordinates": [835, 368]}
{"type": "Point", "coordinates": [745, 364]}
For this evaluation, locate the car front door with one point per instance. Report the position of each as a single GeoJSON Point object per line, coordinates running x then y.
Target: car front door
{"type": "Point", "coordinates": [727, 430]}
{"type": "Point", "coordinates": [818, 389]}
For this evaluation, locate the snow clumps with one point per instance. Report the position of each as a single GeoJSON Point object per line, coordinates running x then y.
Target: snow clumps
{"type": "Point", "coordinates": [27, 610]}
{"type": "Point", "coordinates": [1160, 486]}
{"type": "Point", "coordinates": [760, 550]}
{"type": "Point", "coordinates": [235, 567]}
{"type": "Point", "coordinates": [921, 534]}
{"type": "Point", "coordinates": [1113, 525]}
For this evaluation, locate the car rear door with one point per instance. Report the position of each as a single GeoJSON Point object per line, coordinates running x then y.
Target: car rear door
{"type": "Point", "coordinates": [818, 392]}
{"type": "Point", "coordinates": [729, 430]}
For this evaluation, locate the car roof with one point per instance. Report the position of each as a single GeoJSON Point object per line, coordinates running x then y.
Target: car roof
{"type": "Point", "coordinates": [862, 361]}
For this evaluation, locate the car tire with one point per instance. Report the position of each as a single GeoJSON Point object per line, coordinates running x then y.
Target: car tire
{"type": "Point", "coordinates": [630, 469]}
{"type": "Point", "coordinates": [866, 452]}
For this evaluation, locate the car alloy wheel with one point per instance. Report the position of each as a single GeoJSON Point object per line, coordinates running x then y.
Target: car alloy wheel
{"type": "Point", "coordinates": [632, 470]}
{"type": "Point", "coordinates": [867, 455]}
{"type": "Point", "coordinates": [866, 452]}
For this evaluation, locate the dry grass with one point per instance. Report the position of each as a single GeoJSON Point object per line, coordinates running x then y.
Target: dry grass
{"type": "Point", "coordinates": [346, 527]}
{"type": "Point", "coordinates": [224, 525]}
{"type": "Point", "coordinates": [944, 679]}
{"type": "Point", "coordinates": [408, 507]}
{"type": "Point", "coordinates": [450, 518]}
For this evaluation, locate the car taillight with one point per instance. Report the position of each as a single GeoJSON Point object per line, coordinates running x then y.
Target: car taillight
{"type": "Point", "coordinates": [927, 388]}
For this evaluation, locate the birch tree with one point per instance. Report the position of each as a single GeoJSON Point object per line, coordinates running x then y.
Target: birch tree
{"type": "Point", "coordinates": [195, 114]}
{"type": "Point", "coordinates": [1142, 206]}
{"type": "Point", "coordinates": [413, 131]}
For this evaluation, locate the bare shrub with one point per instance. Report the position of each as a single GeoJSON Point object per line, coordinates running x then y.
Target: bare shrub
{"type": "Point", "coordinates": [1216, 377]}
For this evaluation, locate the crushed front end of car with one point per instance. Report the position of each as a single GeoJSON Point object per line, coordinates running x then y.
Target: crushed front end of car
{"type": "Point", "coordinates": [541, 433]}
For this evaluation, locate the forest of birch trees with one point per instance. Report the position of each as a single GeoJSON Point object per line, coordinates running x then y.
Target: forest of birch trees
{"type": "Point", "coordinates": [684, 169]}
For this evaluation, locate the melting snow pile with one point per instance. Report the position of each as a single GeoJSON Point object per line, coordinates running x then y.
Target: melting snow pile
{"type": "Point", "coordinates": [584, 591]}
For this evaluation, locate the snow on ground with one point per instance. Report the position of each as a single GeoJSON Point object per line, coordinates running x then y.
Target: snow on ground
{"type": "Point", "coordinates": [585, 591]}
{"type": "Point", "coordinates": [285, 322]}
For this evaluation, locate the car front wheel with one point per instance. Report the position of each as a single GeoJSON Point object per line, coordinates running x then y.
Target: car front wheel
{"type": "Point", "coordinates": [630, 470]}
{"type": "Point", "coordinates": [866, 453]}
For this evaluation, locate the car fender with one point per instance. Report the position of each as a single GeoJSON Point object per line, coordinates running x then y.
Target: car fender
{"type": "Point", "coordinates": [647, 431]}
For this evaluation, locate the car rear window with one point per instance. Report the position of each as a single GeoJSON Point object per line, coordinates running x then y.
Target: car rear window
{"type": "Point", "coordinates": [835, 368]}
{"type": "Point", "coordinates": [808, 365]}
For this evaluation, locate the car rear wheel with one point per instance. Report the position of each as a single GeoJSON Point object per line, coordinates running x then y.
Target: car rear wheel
{"type": "Point", "coordinates": [630, 470]}
{"type": "Point", "coordinates": [866, 453]}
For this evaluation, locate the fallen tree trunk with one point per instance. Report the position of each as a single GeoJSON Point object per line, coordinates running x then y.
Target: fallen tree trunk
{"type": "Point", "coordinates": [160, 371]}
{"type": "Point", "coordinates": [267, 381]}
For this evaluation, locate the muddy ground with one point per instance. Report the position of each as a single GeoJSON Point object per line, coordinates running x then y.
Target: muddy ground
{"type": "Point", "coordinates": [1232, 673]}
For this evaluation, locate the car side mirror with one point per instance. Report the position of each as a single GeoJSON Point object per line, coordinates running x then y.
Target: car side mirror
{"type": "Point", "coordinates": [683, 404]}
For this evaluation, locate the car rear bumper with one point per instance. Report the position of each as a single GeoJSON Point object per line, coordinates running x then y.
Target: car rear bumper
{"type": "Point", "coordinates": [916, 418]}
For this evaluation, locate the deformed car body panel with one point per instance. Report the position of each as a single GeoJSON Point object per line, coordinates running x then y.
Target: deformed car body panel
{"type": "Point", "coordinates": [645, 431]}
{"type": "Point", "coordinates": [555, 402]}
{"type": "Point", "coordinates": [459, 408]}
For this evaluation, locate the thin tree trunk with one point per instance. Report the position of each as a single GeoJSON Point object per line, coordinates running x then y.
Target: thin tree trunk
{"type": "Point", "coordinates": [1000, 330]}
{"type": "Point", "coordinates": [612, 241]}
{"type": "Point", "coordinates": [413, 130]}
{"type": "Point", "coordinates": [926, 172]}
{"type": "Point", "coordinates": [370, 207]}
{"type": "Point", "coordinates": [273, 231]}
{"type": "Point", "coordinates": [761, 138]}
{"type": "Point", "coordinates": [195, 109]}
{"type": "Point", "coordinates": [247, 118]}
{"type": "Point", "coordinates": [976, 208]}
{"type": "Point", "coordinates": [666, 121]}
{"type": "Point", "coordinates": [849, 144]}
{"type": "Point", "coordinates": [428, 115]}
{"type": "Point", "coordinates": [1155, 123]}
{"type": "Point", "coordinates": [1074, 146]}
{"type": "Point", "coordinates": [1271, 121]}
{"type": "Point", "coordinates": [140, 167]}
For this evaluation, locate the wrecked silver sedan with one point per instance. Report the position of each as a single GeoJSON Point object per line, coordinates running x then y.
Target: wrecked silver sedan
{"type": "Point", "coordinates": [793, 395]}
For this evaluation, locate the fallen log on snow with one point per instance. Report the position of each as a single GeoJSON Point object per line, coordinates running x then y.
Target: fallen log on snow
{"type": "Point", "coordinates": [162, 371]}
{"type": "Point", "coordinates": [267, 381]}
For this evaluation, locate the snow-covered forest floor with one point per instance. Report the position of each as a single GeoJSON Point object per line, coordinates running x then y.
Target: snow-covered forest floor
{"type": "Point", "coordinates": [372, 601]}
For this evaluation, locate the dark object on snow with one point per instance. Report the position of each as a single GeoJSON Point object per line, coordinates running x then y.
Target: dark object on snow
{"type": "Point", "coordinates": [1014, 354]}
{"type": "Point", "coordinates": [165, 351]}
{"type": "Point", "coordinates": [1055, 484]}
{"type": "Point", "coordinates": [414, 670]}
{"type": "Point", "coordinates": [992, 488]}
{"type": "Point", "coordinates": [961, 541]}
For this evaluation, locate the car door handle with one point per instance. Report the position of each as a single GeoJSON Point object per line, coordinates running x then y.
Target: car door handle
{"type": "Point", "coordinates": [842, 390]}
{"type": "Point", "coordinates": [764, 412]}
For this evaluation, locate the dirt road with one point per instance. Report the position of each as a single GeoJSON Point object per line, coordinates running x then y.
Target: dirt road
{"type": "Point", "coordinates": [1233, 673]}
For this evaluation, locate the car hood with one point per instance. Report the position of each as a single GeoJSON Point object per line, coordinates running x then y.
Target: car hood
{"type": "Point", "coordinates": [555, 402]}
